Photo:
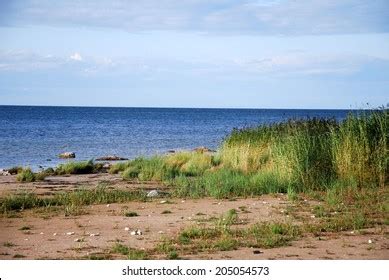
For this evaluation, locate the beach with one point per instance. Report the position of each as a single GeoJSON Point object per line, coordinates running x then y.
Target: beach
{"type": "Point", "coordinates": [299, 189]}
{"type": "Point", "coordinates": [99, 231]}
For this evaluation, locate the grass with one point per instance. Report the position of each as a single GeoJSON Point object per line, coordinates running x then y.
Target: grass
{"type": "Point", "coordinates": [8, 244]}
{"type": "Point", "coordinates": [70, 201]}
{"type": "Point", "coordinates": [132, 254]}
{"type": "Point", "coordinates": [222, 236]}
{"type": "Point", "coordinates": [25, 228]}
{"type": "Point", "coordinates": [25, 175]}
{"type": "Point", "coordinates": [289, 157]}
{"type": "Point", "coordinates": [131, 214]}
{"type": "Point", "coordinates": [78, 167]}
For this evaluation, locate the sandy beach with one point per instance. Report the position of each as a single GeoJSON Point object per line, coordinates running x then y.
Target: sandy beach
{"type": "Point", "coordinates": [93, 233]}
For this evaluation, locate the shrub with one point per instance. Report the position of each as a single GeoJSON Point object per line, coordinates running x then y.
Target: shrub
{"type": "Point", "coordinates": [26, 175]}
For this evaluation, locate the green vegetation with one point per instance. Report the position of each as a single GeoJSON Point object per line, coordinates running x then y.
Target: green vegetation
{"type": "Point", "coordinates": [289, 157]}
{"type": "Point", "coordinates": [78, 167]}
{"type": "Point", "coordinates": [8, 244]}
{"type": "Point", "coordinates": [223, 235]}
{"type": "Point", "coordinates": [131, 214]}
{"type": "Point", "coordinates": [132, 254]}
{"type": "Point", "coordinates": [71, 201]}
{"type": "Point", "coordinates": [26, 175]}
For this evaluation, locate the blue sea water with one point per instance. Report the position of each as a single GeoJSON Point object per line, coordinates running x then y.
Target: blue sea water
{"type": "Point", "coordinates": [34, 136]}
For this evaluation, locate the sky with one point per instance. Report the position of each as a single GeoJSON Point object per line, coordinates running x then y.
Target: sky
{"type": "Point", "coordinates": [206, 54]}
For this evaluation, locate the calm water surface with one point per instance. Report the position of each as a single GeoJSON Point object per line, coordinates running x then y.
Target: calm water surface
{"type": "Point", "coordinates": [32, 135]}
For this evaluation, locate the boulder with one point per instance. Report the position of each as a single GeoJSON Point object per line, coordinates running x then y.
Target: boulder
{"type": "Point", "coordinates": [111, 158]}
{"type": "Point", "coordinates": [67, 155]}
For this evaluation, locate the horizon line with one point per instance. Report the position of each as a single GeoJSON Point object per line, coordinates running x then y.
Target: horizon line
{"type": "Point", "coordinates": [205, 108]}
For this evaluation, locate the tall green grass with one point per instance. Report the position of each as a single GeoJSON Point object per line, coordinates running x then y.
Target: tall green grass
{"type": "Point", "coordinates": [293, 156]}
{"type": "Point", "coordinates": [77, 167]}
{"type": "Point", "coordinates": [316, 153]}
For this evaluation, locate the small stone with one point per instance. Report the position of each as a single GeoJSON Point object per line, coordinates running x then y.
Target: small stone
{"type": "Point", "coordinates": [153, 193]}
{"type": "Point", "coordinates": [264, 202]}
{"type": "Point", "coordinates": [70, 233]}
{"type": "Point", "coordinates": [163, 201]}
{"type": "Point", "coordinates": [67, 155]}
{"type": "Point", "coordinates": [54, 234]}
{"type": "Point", "coordinates": [160, 232]}
{"type": "Point", "coordinates": [136, 232]}
{"type": "Point", "coordinates": [108, 205]}
{"type": "Point", "coordinates": [352, 232]}
{"type": "Point", "coordinates": [182, 201]}
{"type": "Point", "coordinates": [126, 228]}
{"type": "Point", "coordinates": [94, 234]}
{"type": "Point", "coordinates": [313, 216]}
{"type": "Point", "coordinates": [77, 240]}
{"type": "Point", "coordinates": [370, 241]}
{"type": "Point", "coordinates": [41, 233]}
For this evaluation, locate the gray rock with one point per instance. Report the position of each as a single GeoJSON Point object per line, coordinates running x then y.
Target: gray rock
{"type": "Point", "coordinates": [153, 193]}
{"type": "Point", "coordinates": [4, 172]}
{"type": "Point", "coordinates": [67, 155]}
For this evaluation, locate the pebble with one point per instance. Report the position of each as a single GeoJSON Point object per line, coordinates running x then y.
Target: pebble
{"type": "Point", "coordinates": [108, 205]}
{"type": "Point", "coordinates": [370, 241]}
{"type": "Point", "coordinates": [136, 232]}
{"type": "Point", "coordinates": [352, 232]}
{"type": "Point", "coordinates": [54, 234]}
{"type": "Point", "coordinates": [126, 228]}
{"type": "Point", "coordinates": [153, 193]}
{"type": "Point", "coordinates": [313, 216]}
{"type": "Point", "coordinates": [94, 234]}
{"type": "Point", "coordinates": [77, 240]}
{"type": "Point", "coordinates": [163, 201]}
{"type": "Point", "coordinates": [182, 201]}
{"type": "Point", "coordinates": [160, 232]}
{"type": "Point", "coordinates": [70, 233]}
{"type": "Point", "coordinates": [41, 233]}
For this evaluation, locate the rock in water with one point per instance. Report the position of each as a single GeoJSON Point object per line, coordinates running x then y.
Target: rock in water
{"type": "Point", "coordinates": [111, 158]}
{"type": "Point", "coordinates": [67, 155]}
{"type": "Point", "coordinates": [153, 193]}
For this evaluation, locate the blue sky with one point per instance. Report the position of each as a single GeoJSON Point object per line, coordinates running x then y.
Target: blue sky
{"type": "Point", "coordinates": [187, 53]}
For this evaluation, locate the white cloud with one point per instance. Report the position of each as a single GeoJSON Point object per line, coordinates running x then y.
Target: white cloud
{"type": "Point", "coordinates": [76, 56]}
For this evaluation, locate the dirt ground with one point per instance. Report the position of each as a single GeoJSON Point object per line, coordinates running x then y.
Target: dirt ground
{"type": "Point", "coordinates": [37, 234]}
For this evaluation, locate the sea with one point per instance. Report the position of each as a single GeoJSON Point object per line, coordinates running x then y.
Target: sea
{"type": "Point", "coordinates": [34, 135]}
